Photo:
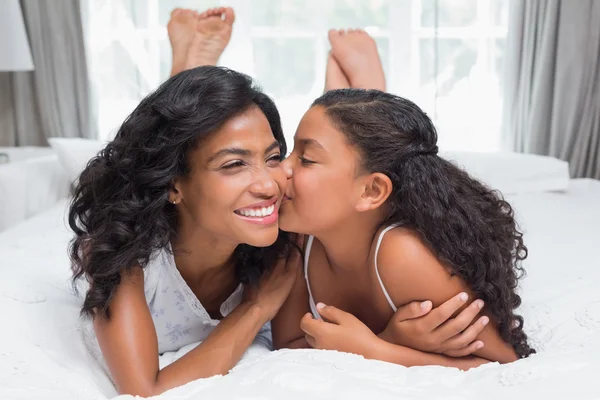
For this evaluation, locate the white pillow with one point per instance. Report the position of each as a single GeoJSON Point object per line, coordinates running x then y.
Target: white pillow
{"type": "Point", "coordinates": [15, 154]}
{"type": "Point", "coordinates": [513, 173]}
{"type": "Point", "coordinates": [29, 187]}
{"type": "Point", "coordinates": [75, 153]}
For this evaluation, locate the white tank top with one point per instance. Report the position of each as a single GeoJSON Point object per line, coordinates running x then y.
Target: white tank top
{"type": "Point", "coordinates": [179, 317]}
{"type": "Point", "coordinates": [311, 300]}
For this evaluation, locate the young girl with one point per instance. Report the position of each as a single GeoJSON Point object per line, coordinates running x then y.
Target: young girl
{"type": "Point", "coordinates": [391, 222]}
{"type": "Point", "coordinates": [170, 219]}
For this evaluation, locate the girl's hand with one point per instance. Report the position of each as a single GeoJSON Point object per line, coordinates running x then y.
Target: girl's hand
{"type": "Point", "coordinates": [338, 330]}
{"type": "Point", "coordinates": [275, 287]}
{"type": "Point", "coordinates": [417, 326]}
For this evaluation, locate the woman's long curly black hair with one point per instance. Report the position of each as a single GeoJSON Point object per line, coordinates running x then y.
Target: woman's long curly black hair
{"type": "Point", "coordinates": [120, 211]}
{"type": "Point", "coordinates": [469, 227]}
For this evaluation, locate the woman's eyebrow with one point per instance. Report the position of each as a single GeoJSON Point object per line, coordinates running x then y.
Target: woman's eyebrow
{"type": "Point", "coordinates": [272, 146]}
{"type": "Point", "coordinates": [230, 151]}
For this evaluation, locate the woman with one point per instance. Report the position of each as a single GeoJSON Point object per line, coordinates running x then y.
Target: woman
{"type": "Point", "coordinates": [170, 219]}
{"type": "Point", "coordinates": [390, 223]}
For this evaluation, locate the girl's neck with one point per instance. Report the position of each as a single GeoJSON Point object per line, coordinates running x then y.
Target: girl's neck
{"type": "Point", "coordinates": [348, 246]}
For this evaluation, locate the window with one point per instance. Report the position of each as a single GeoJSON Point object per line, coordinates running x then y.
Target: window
{"type": "Point", "coordinates": [446, 55]}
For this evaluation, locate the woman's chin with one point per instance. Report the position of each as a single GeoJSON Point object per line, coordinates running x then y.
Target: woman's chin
{"type": "Point", "coordinates": [264, 239]}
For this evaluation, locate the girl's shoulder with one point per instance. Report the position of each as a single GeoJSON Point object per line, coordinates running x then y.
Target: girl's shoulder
{"type": "Point", "coordinates": [402, 250]}
{"type": "Point", "coordinates": [399, 240]}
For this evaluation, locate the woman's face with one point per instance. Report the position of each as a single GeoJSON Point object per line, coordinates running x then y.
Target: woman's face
{"type": "Point", "coordinates": [322, 169]}
{"type": "Point", "coordinates": [236, 184]}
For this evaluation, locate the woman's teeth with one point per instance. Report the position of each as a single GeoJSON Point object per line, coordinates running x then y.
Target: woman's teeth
{"type": "Point", "coordinates": [258, 212]}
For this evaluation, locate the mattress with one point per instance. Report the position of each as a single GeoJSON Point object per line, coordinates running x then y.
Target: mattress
{"type": "Point", "coordinates": [42, 355]}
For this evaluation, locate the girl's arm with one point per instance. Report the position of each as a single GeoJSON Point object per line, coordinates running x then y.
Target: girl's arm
{"type": "Point", "coordinates": [410, 272]}
{"type": "Point", "coordinates": [409, 321]}
{"type": "Point", "coordinates": [385, 351]}
{"type": "Point", "coordinates": [130, 347]}
{"type": "Point", "coordinates": [342, 331]}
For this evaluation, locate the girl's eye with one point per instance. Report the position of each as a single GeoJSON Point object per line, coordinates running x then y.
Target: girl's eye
{"type": "Point", "coordinates": [274, 160]}
{"type": "Point", "coordinates": [305, 161]}
{"type": "Point", "coordinates": [235, 164]}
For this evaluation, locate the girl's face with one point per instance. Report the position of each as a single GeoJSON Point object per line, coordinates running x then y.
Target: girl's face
{"type": "Point", "coordinates": [236, 184]}
{"type": "Point", "coordinates": [323, 185]}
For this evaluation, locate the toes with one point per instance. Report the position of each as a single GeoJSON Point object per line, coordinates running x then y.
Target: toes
{"type": "Point", "coordinates": [226, 13]}
{"type": "Point", "coordinates": [207, 13]}
{"type": "Point", "coordinates": [175, 12]}
{"type": "Point", "coordinates": [332, 34]}
{"type": "Point", "coordinates": [229, 15]}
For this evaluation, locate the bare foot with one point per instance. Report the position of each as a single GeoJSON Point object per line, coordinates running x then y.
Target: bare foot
{"type": "Point", "coordinates": [213, 31]}
{"type": "Point", "coordinates": [356, 53]}
{"type": "Point", "coordinates": [181, 29]}
{"type": "Point", "coordinates": [334, 76]}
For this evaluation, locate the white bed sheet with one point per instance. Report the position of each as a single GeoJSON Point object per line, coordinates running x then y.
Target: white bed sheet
{"type": "Point", "coordinates": [42, 356]}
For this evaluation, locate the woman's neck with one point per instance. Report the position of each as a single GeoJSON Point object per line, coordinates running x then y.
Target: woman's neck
{"type": "Point", "coordinates": [348, 246]}
{"type": "Point", "coordinates": [199, 255]}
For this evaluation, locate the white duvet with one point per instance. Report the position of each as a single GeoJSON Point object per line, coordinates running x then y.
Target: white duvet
{"type": "Point", "coordinates": [42, 355]}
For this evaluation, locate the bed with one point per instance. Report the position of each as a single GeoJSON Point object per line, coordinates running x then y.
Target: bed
{"type": "Point", "coordinates": [42, 354]}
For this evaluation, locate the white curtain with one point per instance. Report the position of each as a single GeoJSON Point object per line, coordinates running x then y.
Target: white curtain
{"type": "Point", "coordinates": [53, 99]}
{"type": "Point", "coordinates": [553, 105]}
{"type": "Point", "coordinates": [446, 55]}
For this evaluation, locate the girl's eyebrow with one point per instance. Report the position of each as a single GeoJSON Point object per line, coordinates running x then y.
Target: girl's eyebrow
{"type": "Point", "coordinates": [311, 142]}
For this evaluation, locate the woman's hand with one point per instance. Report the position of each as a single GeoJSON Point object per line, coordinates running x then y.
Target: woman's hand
{"type": "Point", "coordinates": [338, 330]}
{"type": "Point", "coordinates": [417, 326]}
{"type": "Point", "coordinates": [274, 288]}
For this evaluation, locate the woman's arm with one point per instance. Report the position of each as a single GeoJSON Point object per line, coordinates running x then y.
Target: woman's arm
{"type": "Point", "coordinates": [410, 272]}
{"type": "Point", "coordinates": [130, 347]}
{"type": "Point", "coordinates": [285, 327]}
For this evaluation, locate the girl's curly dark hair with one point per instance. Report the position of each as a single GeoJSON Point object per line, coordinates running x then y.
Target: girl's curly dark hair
{"type": "Point", "coordinates": [469, 227]}
{"type": "Point", "coordinates": [120, 211]}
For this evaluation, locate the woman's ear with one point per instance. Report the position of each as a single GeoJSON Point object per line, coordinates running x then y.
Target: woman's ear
{"type": "Point", "coordinates": [175, 191]}
{"type": "Point", "coordinates": [377, 188]}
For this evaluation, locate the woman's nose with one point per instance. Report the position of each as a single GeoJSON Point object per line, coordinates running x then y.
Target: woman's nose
{"type": "Point", "coordinates": [265, 186]}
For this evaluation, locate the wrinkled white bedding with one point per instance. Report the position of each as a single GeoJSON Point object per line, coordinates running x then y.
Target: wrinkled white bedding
{"type": "Point", "coordinates": [42, 355]}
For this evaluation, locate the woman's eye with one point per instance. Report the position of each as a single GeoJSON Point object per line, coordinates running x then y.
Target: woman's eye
{"type": "Point", "coordinates": [274, 159]}
{"type": "Point", "coordinates": [305, 161]}
{"type": "Point", "coordinates": [232, 165]}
